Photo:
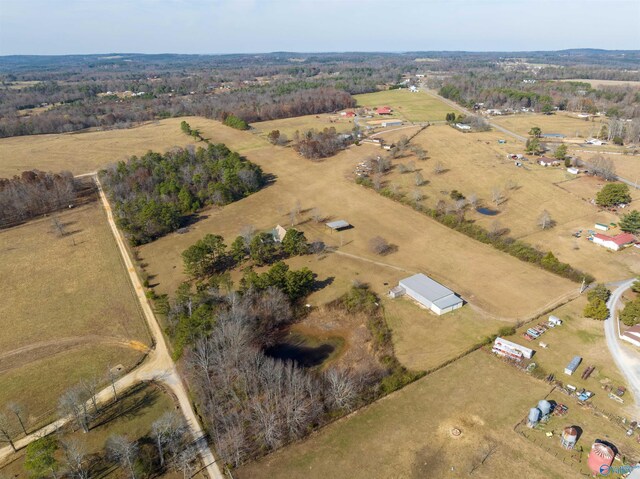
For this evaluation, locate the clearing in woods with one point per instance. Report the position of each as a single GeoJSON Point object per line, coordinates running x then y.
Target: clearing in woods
{"type": "Point", "coordinates": [416, 107]}
{"type": "Point", "coordinates": [475, 163]}
{"type": "Point", "coordinates": [409, 433]}
{"type": "Point", "coordinates": [68, 309]}
{"type": "Point", "coordinates": [424, 245]}
{"type": "Point", "coordinates": [289, 126]}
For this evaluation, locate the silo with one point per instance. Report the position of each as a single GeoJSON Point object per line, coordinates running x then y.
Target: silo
{"type": "Point", "coordinates": [600, 458]}
{"type": "Point", "coordinates": [545, 407]}
{"type": "Point", "coordinates": [569, 437]}
{"type": "Point", "coordinates": [534, 417]}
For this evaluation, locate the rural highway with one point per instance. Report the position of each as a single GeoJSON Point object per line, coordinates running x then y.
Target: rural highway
{"type": "Point", "coordinates": [158, 366]}
{"type": "Point", "coordinates": [628, 364]}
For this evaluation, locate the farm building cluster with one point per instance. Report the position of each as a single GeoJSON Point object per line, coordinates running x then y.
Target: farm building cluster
{"type": "Point", "coordinates": [615, 242]}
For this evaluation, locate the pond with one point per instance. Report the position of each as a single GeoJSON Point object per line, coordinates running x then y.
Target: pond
{"type": "Point", "coordinates": [306, 350]}
{"type": "Point", "coordinates": [487, 211]}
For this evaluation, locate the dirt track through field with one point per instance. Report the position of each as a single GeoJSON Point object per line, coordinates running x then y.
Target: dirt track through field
{"type": "Point", "coordinates": [45, 349]}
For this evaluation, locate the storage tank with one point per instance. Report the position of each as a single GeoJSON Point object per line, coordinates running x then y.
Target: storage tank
{"type": "Point", "coordinates": [600, 458]}
{"type": "Point", "coordinates": [545, 407]}
{"type": "Point", "coordinates": [569, 437]}
{"type": "Point", "coordinates": [534, 417]}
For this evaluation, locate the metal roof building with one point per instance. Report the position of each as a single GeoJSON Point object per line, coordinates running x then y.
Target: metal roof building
{"type": "Point", "coordinates": [338, 225]}
{"type": "Point", "coordinates": [573, 365]}
{"type": "Point", "coordinates": [430, 293]}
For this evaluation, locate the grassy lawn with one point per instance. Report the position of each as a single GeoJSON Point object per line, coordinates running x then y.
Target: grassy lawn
{"type": "Point", "coordinates": [63, 295]}
{"type": "Point", "coordinates": [289, 126]}
{"type": "Point", "coordinates": [424, 245]}
{"type": "Point", "coordinates": [418, 107]}
{"type": "Point", "coordinates": [563, 123]}
{"type": "Point", "coordinates": [408, 434]}
{"type": "Point", "coordinates": [132, 416]}
{"type": "Point", "coordinates": [423, 340]}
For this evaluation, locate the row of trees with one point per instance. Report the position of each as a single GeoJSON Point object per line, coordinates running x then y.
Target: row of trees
{"type": "Point", "coordinates": [154, 194]}
{"type": "Point", "coordinates": [35, 193]}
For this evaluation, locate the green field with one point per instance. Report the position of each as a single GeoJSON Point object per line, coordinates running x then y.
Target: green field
{"type": "Point", "coordinates": [416, 107]}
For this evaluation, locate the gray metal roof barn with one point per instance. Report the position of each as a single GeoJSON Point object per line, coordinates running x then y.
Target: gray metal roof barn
{"type": "Point", "coordinates": [430, 293]}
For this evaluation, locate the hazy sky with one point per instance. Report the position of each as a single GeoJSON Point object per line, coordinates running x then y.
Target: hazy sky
{"type": "Point", "coordinates": [230, 26]}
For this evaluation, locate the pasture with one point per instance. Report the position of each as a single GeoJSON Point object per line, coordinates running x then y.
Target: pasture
{"type": "Point", "coordinates": [424, 245]}
{"type": "Point", "coordinates": [408, 433]}
{"type": "Point", "coordinates": [474, 163]}
{"type": "Point", "coordinates": [289, 126]}
{"type": "Point", "coordinates": [67, 307]}
{"type": "Point", "coordinates": [414, 107]}
{"type": "Point", "coordinates": [87, 151]}
{"type": "Point", "coordinates": [563, 123]}
{"type": "Point", "coordinates": [606, 83]}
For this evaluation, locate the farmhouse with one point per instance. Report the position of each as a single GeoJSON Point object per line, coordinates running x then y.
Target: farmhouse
{"type": "Point", "coordinates": [384, 110]}
{"type": "Point", "coordinates": [348, 114]}
{"type": "Point", "coordinates": [595, 141]}
{"type": "Point", "coordinates": [428, 293]}
{"type": "Point", "coordinates": [614, 243]}
{"type": "Point", "coordinates": [544, 161]}
{"type": "Point", "coordinates": [505, 348]}
{"type": "Point", "coordinates": [632, 335]}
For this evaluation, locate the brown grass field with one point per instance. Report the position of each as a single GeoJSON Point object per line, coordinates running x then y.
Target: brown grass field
{"type": "Point", "coordinates": [289, 126]}
{"type": "Point", "coordinates": [84, 152]}
{"type": "Point", "coordinates": [425, 245]}
{"type": "Point", "coordinates": [563, 123]}
{"type": "Point", "coordinates": [415, 107]}
{"type": "Point", "coordinates": [476, 163]}
{"type": "Point", "coordinates": [64, 297]}
{"type": "Point", "coordinates": [408, 434]}
{"type": "Point", "coordinates": [601, 83]}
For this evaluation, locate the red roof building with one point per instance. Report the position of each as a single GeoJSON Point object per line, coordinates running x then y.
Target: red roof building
{"type": "Point", "coordinates": [348, 114]}
{"type": "Point", "coordinates": [384, 110]}
{"type": "Point", "coordinates": [616, 242]}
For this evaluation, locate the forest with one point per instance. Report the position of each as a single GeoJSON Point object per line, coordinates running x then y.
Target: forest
{"type": "Point", "coordinates": [157, 194]}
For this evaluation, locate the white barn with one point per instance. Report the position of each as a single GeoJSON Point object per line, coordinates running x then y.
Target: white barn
{"type": "Point", "coordinates": [632, 335]}
{"type": "Point", "coordinates": [503, 347]}
{"type": "Point", "coordinates": [429, 293]}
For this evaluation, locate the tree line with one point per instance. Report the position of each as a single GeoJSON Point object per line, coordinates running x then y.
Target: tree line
{"type": "Point", "coordinates": [35, 193]}
{"type": "Point", "coordinates": [315, 145]}
{"type": "Point", "coordinates": [155, 194]}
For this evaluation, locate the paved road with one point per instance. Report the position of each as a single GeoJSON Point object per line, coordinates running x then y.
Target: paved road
{"type": "Point", "coordinates": [627, 362]}
{"type": "Point", "coordinates": [158, 366]}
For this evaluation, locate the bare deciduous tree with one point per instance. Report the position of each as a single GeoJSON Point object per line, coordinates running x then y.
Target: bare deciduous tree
{"type": "Point", "coordinates": [472, 199]}
{"type": "Point", "coordinates": [20, 413]}
{"type": "Point", "coordinates": [411, 166]}
{"type": "Point", "coordinates": [602, 167]}
{"type": "Point", "coordinates": [511, 184]}
{"type": "Point", "coordinates": [247, 232]}
{"type": "Point", "coordinates": [379, 245]}
{"type": "Point", "coordinates": [124, 452]}
{"type": "Point", "coordinates": [544, 220]}
{"type": "Point", "coordinates": [497, 196]}
{"type": "Point", "coordinates": [402, 168]}
{"type": "Point", "coordinates": [416, 195]}
{"type": "Point", "coordinates": [76, 459]}
{"type": "Point", "coordinates": [169, 432]}
{"type": "Point", "coordinates": [342, 390]}
{"type": "Point", "coordinates": [6, 431]}
{"type": "Point", "coordinates": [90, 386]}
{"type": "Point", "coordinates": [376, 180]}
{"type": "Point", "coordinates": [74, 403]}
{"type": "Point", "coordinates": [317, 216]}
{"type": "Point", "coordinates": [438, 168]}
{"type": "Point", "coordinates": [418, 179]}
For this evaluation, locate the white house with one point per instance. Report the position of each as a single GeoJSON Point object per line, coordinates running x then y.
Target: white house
{"type": "Point", "coordinates": [428, 293]}
{"type": "Point", "coordinates": [505, 348]}
{"type": "Point", "coordinates": [573, 170]}
{"type": "Point", "coordinates": [632, 335]}
{"type": "Point", "coordinates": [614, 243]}
{"type": "Point", "coordinates": [595, 141]}
{"type": "Point", "coordinates": [463, 127]}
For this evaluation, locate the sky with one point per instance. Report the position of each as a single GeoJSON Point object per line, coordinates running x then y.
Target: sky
{"type": "Point", "coordinates": [54, 27]}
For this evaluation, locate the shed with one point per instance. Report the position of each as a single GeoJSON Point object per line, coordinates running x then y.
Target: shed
{"type": "Point", "coordinates": [602, 227]}
{"type": "Point", "coordinates": [573, 170]}
{"type": "Point", "coordinates": [463, 127]}
{"type": "Point", "coordinates": [632, 335]}
{"type": "Point", "coordinates": [338, 225]}
{"type": "Point", "coordinates": [384, 110]}
{"type": "Point", "coordinates": [391, 123]}
{"type": "Point", "coordinates": [573, 365]}
{"type": "Point", "coordinates": [431, 294]}
{"type": "Point", "coordinates": [503, 347]}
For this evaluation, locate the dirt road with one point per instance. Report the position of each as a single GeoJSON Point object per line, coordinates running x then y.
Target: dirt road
{"type": "Point", "coordinates": [628, 363]}
{"type": "Point", "coordinates": [159, 366]}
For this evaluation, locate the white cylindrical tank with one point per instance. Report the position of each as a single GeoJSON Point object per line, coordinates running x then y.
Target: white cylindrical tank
{"type": "Point", "coordinates": [545, 407]}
